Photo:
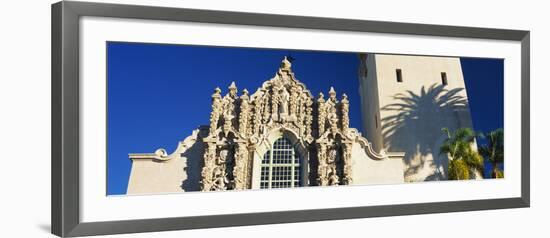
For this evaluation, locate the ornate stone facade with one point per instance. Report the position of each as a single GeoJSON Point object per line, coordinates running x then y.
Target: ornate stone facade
{"type": "Point", "coordinates": [239, 124]}
{"type": "Point", "coordinates": [228, 153]}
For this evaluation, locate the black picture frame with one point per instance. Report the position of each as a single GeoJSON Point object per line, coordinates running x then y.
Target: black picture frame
{"type": "Point", "coordinates": [65, 118]}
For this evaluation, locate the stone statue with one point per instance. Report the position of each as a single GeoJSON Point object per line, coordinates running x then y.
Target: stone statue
{"type": "Point", "coordinates": [217, 109]}
{"type": "Point", "coordinates": [222, 159]}
{"type": "Point", "coordinates": [333, 119]}
{"type": "Point", "coordinates": [345, 113]}
{"type": "Point", "coordinates": [229, 112]}
{"type": "Point", "coordinates": [220, 180]}
{"type": "Point", "coordinates": [333, 179]}
{"type": "Point", "coordinates": [332, 156]}
{"type": "Point", "coordinates": [321, 114]}
{"type": "Point", "coordinates": [284, 97]}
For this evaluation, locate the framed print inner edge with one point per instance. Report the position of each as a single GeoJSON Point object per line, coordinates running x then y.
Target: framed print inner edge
{"type": "Point", "coordinates": [66, 122]}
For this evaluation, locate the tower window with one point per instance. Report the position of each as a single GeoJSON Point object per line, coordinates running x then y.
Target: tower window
{"type": "Point", "coordinates": [376, 121]}
{"type": "Point", "coordinates": [444, 78]}
{"type": "Point", "coordinates": [398, 75]}
{"type": "Point", "coordinates": [281, 166]}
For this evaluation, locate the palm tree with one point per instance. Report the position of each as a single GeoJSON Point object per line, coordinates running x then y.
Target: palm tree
{"type": "Point", "coordinates": [464, 158]}
{"type": "Point", "coordinates": [494, 150]}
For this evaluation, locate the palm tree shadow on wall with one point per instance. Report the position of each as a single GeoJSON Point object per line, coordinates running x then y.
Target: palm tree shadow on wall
{"type": "Point", "coordinates": [414, 127]}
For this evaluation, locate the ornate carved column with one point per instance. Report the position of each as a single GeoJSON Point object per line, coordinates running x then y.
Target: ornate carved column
{"type": "Point", "coordinates": [207, 176]}
{"type": "Point", "coordinates": [322, 179]}
{"type": "Point", "coordinates": [321, 115]}
{"type": "Point", "coordinates": [294, 100]}
{"type": "Point", "coordinates": [216, 110]}
{"type": "Point", "coordinates": [244, 114]}
{"type": "Point", "coordinates": [332, 114]}
{"type": "Point", "coordinates": [275, 104]}
{"type": "Point", "coordinates": [345, 113]}
{"type": "Point", "coordinates": [348, 166]}
{"type": "Point", "coordinates": [265, 109]}
{"type": "Point", "coordinates": [240, 169]}
{"type": "Point", "coordinates": [229, 112]}
{"type": "Point", "coordinates": [332, 168]}
{"type": "Point", "coordinates": [257, 117]}
{"type": "Point", "coordinates": [309, 118]}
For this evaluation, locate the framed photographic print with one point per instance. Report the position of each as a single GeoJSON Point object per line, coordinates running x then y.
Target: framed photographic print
{"type": "Point", "coordinates": [168, 118]}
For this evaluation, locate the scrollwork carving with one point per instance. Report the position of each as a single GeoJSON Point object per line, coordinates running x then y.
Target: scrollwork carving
{"type": "Point", "coordinates": [345, 113]}
{"type": "Point", "coordinates": [239, 171]}
{"type": "Point", "coordinates": [244, 114]}
{"type": "Point", "coordinates": [281, 103]}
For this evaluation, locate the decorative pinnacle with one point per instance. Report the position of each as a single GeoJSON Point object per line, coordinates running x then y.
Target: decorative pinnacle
{"type": "Point", "coordinates": [332, 91]}
{"type": "Point", "coordinates": [345, 98]}
{"type": "Point", "coordinates": [245, 95]}
{"type": "Point", "coordinates": [321, 95]}
{"type": "Point", "coordinates": [233, 86]}
{"type": "Point", "coordinates": [217, 92]}
{"type": "Point", "coordinates": [285, 64]}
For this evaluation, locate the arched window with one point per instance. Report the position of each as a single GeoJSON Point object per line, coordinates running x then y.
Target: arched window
{"type": "Point", "coordinates": [281, 166]}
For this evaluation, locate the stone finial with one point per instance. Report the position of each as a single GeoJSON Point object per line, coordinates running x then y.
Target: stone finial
{"type": "Point", "coordinates": [332, 91]}
{"type": "Point", "coordinates": [321, 97]}
{"type": "Point", "coordinates": [285, 64]}
{"type": "Point", "coordinates": [345, 98]}
{"type": "Point", "coordinates": [332, 94]}
{"type": "Point", "coordinates": [245, 94]}
{"type": "Point", "coordinates": [217, 93]}
{"type": "Point", "coordinates": [233, 90]}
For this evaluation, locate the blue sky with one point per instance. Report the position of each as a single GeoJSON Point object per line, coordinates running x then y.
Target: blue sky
{"type": "Point", "coordinates": [158, 94]}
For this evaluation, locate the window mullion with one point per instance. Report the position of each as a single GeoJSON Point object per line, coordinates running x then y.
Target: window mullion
{"type": "Point", "coordinates": [270, 167]}
{"type": "Point", "coordinates": [292, 168]}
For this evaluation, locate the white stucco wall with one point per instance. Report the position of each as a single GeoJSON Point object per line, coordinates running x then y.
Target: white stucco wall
{"type": "Point", "coordinates": [177, 172]}
{"type": "Point", "coordinates": [367, 170]}
{"type": "Point", "coordinates": [413, 112]}
{"type": "Point", "coordinates": [150, 176]}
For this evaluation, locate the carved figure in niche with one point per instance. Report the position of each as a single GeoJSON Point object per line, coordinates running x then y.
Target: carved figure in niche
{"type": "Point", "coordinates": [233, 90]}
{"type": "Point", "coordinates": [322, 114]}
{"type": "Point", "coordinates": [333, 180]}
{"type": "Point", "coordinates": [216, 110]}
{"type": "Point", "coordinates": [345, 112]}
{"type": "Point", "coordinates": [283, 105]}
{"type": "Point", "coordinates": [332, 94]}
{"type": "Point", "coordinates": [333, 119]}
{"type": "Point", "coordinates": [229, 109]}
{"type": "Point", "coordinates": [220, 180]}
{"type": "Point", "coordinates": [222, 159]}
{"type": "Point", "coordinates": [332, 156]}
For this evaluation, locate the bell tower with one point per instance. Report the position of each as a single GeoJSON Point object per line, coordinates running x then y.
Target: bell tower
{"type": "Point", "coordinates": [406, 101]}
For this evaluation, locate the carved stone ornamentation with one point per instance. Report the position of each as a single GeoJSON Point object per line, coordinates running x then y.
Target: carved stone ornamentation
{"type": "Point", "coordinates": [244, 114]}
{"type": "Point", "coordinates": [321, 115]}
{"type": "Point", "coordinates": [208, 168]}
{"type": "Point", "coordinates": [239, 171]}
{"type": "Point", "coordinates": [239, 125]}
{"type": "Point", "coordinates": [216, 109]}
{"type": "Point", "coordinates": [333, 179]}
{"type": "Point", "coordinates": [347, 179]}
{"type": "Point", "coordinates": [345, 113]}
{"type": "Point", "coordinates": [229, 112]}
